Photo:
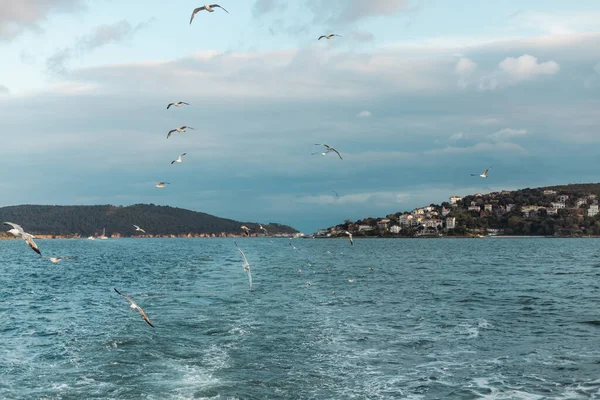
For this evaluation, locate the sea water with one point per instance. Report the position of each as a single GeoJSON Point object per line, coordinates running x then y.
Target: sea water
{"type": "Point", "coordinates": [404, 318]}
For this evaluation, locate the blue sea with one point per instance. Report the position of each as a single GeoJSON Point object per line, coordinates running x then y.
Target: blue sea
{"type": "Point", "coordinates": [383, 319]}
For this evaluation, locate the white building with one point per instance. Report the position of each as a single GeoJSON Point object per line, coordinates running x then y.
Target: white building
{"type": "Point", "coordinates": [450, 223]}
{"type": "Point", "coordinates": [559, 205]}
{"type": "Point", "coordinates": [581, 202]}
{"type": "Point", "coordinates": [510, 207]}
{"type": "Point", "coordinates": [593, 210]}
{"type": "Point", "coordinates": [474, 208]}
{"type": "Point", "coordinates": [395, 229]}
{"type": "Point", "coordinates": [432, 223]}
{"type": "Point", "coordinates": [365, 228]}
{"type": "Point", "coordinates": [383, 224]}
{"type": "Point", "coordinates": [429, 209]}
{"type": "Point", "coordinates": [563, 198]}
{"type": "Point", "coordinates": [488, 207]}
{"type": "Point", "coordinates": [551, 211]}
{"type": "Point", "coordinates": [455, 199]}
{"type": "Point", "coordinates": [445, 211]}
{"type": "Point", "coordinates": [549, 192]}
{"type": "Point", "coordinates": [405, 220]}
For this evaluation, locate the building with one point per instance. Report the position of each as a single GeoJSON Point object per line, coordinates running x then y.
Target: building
{"type": "Point", "coordinates": [593, 210]}
{"type": "Point", "coordinates": [551, 211]}
{"type": "Point", "coordinates": [322, 232]}
{"type": "Point", "coordinates": [432, 223]}
{"type": "Point", "coordinates": [474, 208]}
{"type": "Point", "coordinates": [365, 228]}
{"type": "Point", "coordinates": [445, 211]}
{"type": "Point", "coordinates": [562, 198]}
{"type": "Point", "coordinates": [510, 207]}
{"type": "Point", "coordinates": [581, 202]}
{"type": "Point", "coordinates": [488, 207]}
{"type": "Point", "coordinates": [383, 224]}
{"type": "Point", "coordinates": [405, 220]}
{"type": "Point", "coordinates": [418, 211]}
{"type": "Point", "coordinates": [455, 199]}
{"type": "Point", "coordinates": [506, 192]}
{"type": "Point", "coordinates": [549, 192]}
{"type": "Point", "coordinates": [429, 208]}
{"type": "Point", "coordinates": [558, 205]}
{"type": "Point", "coordinates": [395, 229]}
{"type": "Point", "coordinates": [450, 223]}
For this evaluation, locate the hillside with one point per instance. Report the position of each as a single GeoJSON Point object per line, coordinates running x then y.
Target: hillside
{"type": "Point", "coordinates": [118, 221]}
{"type": "Point", "coordinates": [565, 210]}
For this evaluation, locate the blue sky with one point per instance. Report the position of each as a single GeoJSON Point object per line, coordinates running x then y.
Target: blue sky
{"type": "Point", "coordinates": [416, 95]}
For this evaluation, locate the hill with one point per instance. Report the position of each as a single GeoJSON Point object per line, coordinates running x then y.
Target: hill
{"type": "Point", "coordinates": [564, 210]}
{"type": "Point", "coordinates": [118, 221]}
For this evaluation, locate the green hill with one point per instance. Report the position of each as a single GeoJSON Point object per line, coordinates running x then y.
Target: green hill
{"type": "Point", "coordinates": [156, 220]}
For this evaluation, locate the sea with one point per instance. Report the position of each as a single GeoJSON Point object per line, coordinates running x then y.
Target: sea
{"type": "Point", "coordinates": [383, 319]}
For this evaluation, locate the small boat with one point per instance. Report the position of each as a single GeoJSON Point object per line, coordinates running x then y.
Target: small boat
{"type": "Point", "coordinates": [103, 237]}
{"type": "Point", "coordinates": [91, 238]}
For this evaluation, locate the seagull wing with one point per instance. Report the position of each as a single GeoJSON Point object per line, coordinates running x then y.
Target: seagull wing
{"type": "Point", "coordinates": [335, 151]}
{"type": "Point", "coordinates": [15, 226]}
{"type": "Point", "coordinates": [170, 104]}
{"type": "Point", "coordinates": [189, 127]}
{"type": "Point", "coordinates": [136, 306]}
{"type": "Point", "coordinates": [216, 5]}
{"type": "Point", "coordinates": [351, 241]}
{"type": "Point", "coordinates": [182, 154]}
{"type": "Point", "coordinates": [242, 253]}
{"type": "Point", "coordinates": [195, 11]}
{"type": "Point", "coordinates": [321, 37]}
{"type": "Point", "coordinates": [172, 162]}
{"type": "Point", "coordinates": [171, 132]}
{"type": "Point", "coordinates": [183, 102]}
{"type": "Point", "coordinates": [246, 265]}
{"type": "Point", "coordinates": [474, 174]}
{"type": "Point", "coordinates": [486, 171]}
{"type": "Point", "coordinates": [31, 243]}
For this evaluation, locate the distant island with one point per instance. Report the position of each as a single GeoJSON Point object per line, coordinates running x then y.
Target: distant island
{"type": "Point", "coordinates": [556, 211]}
{"type": "Point", "coordinates": [117, 221]}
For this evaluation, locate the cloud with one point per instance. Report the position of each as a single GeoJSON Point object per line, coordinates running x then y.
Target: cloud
{"type": "Point", "coordinates": [457, 136]}
{"type": "Point", "coordinates": [262, 7]}
{"type": "Point", "coordinates": [364, 114]}
{"type": "Point", "coordinates": [4, 89]}
{"type": "Point", "coordinates": [101, 36]}
{"type": "Point", "coordinates": [507, 133]}
{"type": "Point", "coordinates": [19, 16]}
{"type": "Point", "coordinates": [354, 10]}
{"type": "Point", "coordinates": [512, 71]}
{"type": "Point", "coordinates": [464, 68]}
{"type": "Point", "coordinates": [501, 147]}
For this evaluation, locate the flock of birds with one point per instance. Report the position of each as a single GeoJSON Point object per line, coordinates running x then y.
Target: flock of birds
{"type": "Point", "coordinates": [18, 232]}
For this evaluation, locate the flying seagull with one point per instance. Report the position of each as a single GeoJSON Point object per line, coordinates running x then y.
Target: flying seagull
{"type": "Point", "coordinates": [136, 307]}
{"type": "Point", "coordinates": [18, 232]}
{"type": "Point", "coordinates": [484, 175]}
{"type": "Point", "coordinates": [161, 185]}
{"type": "Point", "coordinates": [336, 193]}
{"type": "Point", "coordinates": [350, 237]}
{"type": "Point", "coordinates": [178, 104]}
{"type": "Point", "coordinates": [293, 247]}
{"type": "Point", "coordinates": [179, 159]}
{"type": "Point", "coordinates": [330, 36]}
{"type": "Point", "coordinates": [245, 229]}
{"type": "Point", "coordinates": [262, 228]}
{"type": "Point", "coordinates": [246, 265]}
{"type": "Point", "coordinates": [137, 228]}
{"type": "Point", "coordinates": [182, 129]}
{"type": "Point", "coordinates": [56, 260]}
{"type": "Point", "coordinates": [328, 148]}
{"type": "Point", "coordinates": [208, 8]}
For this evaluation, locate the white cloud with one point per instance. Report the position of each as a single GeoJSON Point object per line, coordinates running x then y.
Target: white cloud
{"type": "Point", "coordinates": [465, 68]}
{"type": "Point", "coordinates": [507, 133]}
{"type": "Point", "coordinates": [457, 136]}
{"type": "Point", "coordinates": [3, 89]}
{"type": "Point", "coordinates": [527, 67]}
{"type": "Point", "coordinates": [364, 114]}
{"type": "Point", "coordinates": [501, 147]}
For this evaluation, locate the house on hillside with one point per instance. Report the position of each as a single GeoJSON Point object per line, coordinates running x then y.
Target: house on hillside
{"type": "Point", "coordinates": [563, 198]}
{"type": "Point", "coordinates": [450, 223]}
{"type": "Point", "coordinates": [593, 210]}
{"type": "Point", "coordinates": [549, 192]}
{"type": "Point", "coordinates": [455, 199]}
{"type": "Point", "coordinates": [558, 205]}
{"type": "Point", "coordinates": [395, 229]}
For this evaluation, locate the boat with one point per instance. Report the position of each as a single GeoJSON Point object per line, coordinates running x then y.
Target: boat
{"type": "Point", "coordinates": [91, 238]}
{"type": "Point", "coordinates": [103, 237]}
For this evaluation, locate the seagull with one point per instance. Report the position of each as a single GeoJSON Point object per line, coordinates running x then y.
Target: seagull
{"type": "Point", "coordinates": [349, 237]}
{"type": "Point", "coordinates": [178, 104]}
{"type": "Point", "coordinates": [18, 232]}
{"type": "Point", "coordinates": [161, 185]}
{"type": "Point", "coordinates": [137, 228]}
{"type": "Point", "coordinates": [262, 228]}
{"type": "Point", "coordinates": [136, 307]}
{"type": "Point", "coordinates": [245, 229]}
{"type": "Point", "coordinates": [350, 280]}
{"type": "Point", "coordinates": [246, 265]}
{"type": "Point", "coordinates": [293, 247]}
{"type": "Point", "coordinates": [179, 159]}
{"type": "Point", "coordinates": [208, 8]}
{"type": "Point", "coordinates": [182, 129]}
{"type": "Point", "coordinates": [484, 175]}
{"type": "Point", "coordinates": [307, 283]}
{"type": "Point", "coordinates": [54, 260]}
{"type": "Point", "coordinates": [328, 148]}
{"type": "Point", "coordinates": [336, 193]}
{"type": "Point", "coordinates": [328, 36]}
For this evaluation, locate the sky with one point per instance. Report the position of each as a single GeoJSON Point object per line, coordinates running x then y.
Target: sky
{"type": "Point", "coordinates": [415, 95]}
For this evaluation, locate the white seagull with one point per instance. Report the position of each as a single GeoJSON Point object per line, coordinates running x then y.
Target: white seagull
{"type": "Point", "coordinates": [330, 36]}
{"type": "Point", "coordinates": [484, 175]}
{"type": "Point", "coordinates": [18, 232]}
{"type": "Point", "coordinates": [178, 104]}
{"type": "Point", "coordinates": [328, 148]}
{"type": "Point", "coordinates": [245, 229]}
{"type": "Point", "coordinates": [182, 129]}
{"type": "Point", "coordinates": [161, 185]}
{"type": "Point", "coordinates": [137, 228]}
{"type": "Point", "coordinates": [350, 237]}
{"type": "Point", "coordinates": [293, 247]}
{"type": "Point", "coordinates": [179, 159]}
{"type": "Point", "coordinates": [262, 228]}
{"type": "Point", "coordinates": [246, 265]}
{"type": "Point", "coordinates": [56, 260]}
{"type": "Point", "coordinates": [336, 193]}
{"type": "Point", "coordinates": [208, 8]}
{"type": "Point", "coordinates": [136, 307]}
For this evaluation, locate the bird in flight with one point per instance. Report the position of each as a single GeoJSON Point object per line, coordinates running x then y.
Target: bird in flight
{"type": "Point", "coordinates": [179, 159]}
{"type": "Point", "coordinates": [138, 229]}
{"type": "Point", "coordinates": [182, 129]}
{"type": "Point", "coordinates": [245, 229]}
{"type": "Point", "coordinates": [328, 148]}
{"type": "Point", "coordinates": [18, 232]}
{"type": "Point", "coordinates": [293, 247]}
{"type": "Point", "coordinates": [484, 175]}
{"type": "Point", "coordinates": [262, 228]}
{"type": "Point", "coordinates": [246, 265]}
{"type": "Point", "coordinates": [178, 104]}
{"type": "Point", "coordinates": [161, 185]}
{"type": "Point", "coordinates": [330, 36]}
{"type": "Point", "coordinates": [207, 7]}
{"type": "Point", "coordinates": [56, 260]}
{"type": "Point", "coordinates": [350, 237]}
{"type": "Point", "coordinates": [336, 193]}
{"type": "Point", "coordinates": [136, 307]}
